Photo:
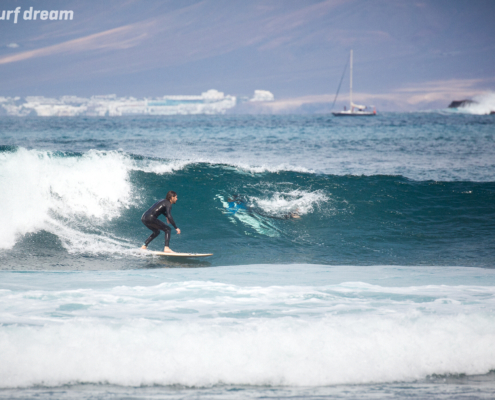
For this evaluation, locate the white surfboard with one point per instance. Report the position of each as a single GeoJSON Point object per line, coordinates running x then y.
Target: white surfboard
{"type": "Point", "coordinates": [161, 253]}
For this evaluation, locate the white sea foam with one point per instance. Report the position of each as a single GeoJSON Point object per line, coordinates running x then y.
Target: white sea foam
{"type": "Point", "coordinates": [42, 190]}
{"type": "Point", "coordinates": [257, 352]}
{"type": "Point", "coordinates": [199, 333]}
{"type": "Point", "coordinates": [294, 201]}
{"type": "Point", "coordinates": [160, 167]}
{"type": "Point", "coordinates": [257, 169]}
{"type": "Point", "coordinates": [484, 104]}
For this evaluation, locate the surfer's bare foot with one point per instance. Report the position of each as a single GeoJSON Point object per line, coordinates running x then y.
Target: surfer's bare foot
{"type": "Point", "coordinates": [167, 250]}
{"type": "Point", "coordinates": [143, 247]}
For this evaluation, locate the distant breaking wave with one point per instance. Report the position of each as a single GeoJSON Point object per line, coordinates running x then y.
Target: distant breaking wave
{"type": "Point", "coordinates": [481, 105]}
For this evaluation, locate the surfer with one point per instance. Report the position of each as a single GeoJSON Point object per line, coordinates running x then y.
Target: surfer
{"type": "Point", "coordinates": [151, 221]}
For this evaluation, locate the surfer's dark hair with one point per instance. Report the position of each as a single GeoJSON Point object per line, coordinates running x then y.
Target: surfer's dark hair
{"type": "Point", "coordinates": [170, 194]}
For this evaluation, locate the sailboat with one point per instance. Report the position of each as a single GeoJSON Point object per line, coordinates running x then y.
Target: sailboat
{"type": "Point", "coordinates": [355, 110]}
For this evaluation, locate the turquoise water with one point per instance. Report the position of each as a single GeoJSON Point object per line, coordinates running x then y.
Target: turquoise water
{"type": "Point", "coordinates": [384, 287]}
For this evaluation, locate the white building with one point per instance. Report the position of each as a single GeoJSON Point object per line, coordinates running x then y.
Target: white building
{"type": "Point", "coordinates": [263, 95]}
{"type": "Point", "coordinates": [210, 102]}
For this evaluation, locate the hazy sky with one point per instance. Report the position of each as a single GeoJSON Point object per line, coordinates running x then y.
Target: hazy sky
{"type": "Point", "coordinates": [406, 53]}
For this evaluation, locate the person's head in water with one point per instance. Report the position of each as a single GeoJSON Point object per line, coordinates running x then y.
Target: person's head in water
{"type": "Point", "coordinates": [172, 197]}
{"type": "Point", "coordinates": [235, 199]}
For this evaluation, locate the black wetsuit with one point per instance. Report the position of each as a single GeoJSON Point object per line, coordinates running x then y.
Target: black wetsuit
{"type": "Point", "coordinates": [150, 219]}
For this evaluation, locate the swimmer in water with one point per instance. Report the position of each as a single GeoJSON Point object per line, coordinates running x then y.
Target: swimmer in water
{"type": "Point", "coordinates": [151, 221]}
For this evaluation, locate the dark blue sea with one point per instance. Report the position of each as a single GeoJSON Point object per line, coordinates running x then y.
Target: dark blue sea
{"type": "Point", "coordinates": [357, 262]}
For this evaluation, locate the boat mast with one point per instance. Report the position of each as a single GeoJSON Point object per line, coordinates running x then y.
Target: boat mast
{"type": "Point", "coordinates": [350, 91]}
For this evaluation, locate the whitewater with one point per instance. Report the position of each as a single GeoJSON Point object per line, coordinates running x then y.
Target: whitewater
{"type": "Point", "coordinates": [383, 288]}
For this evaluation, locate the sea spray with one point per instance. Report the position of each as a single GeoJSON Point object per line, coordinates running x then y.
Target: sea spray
{"type": "Point", "coordinates": [483, 104]}
{"type": "Point", "coordinates": [298, 202]}
{"type": "Point", "coordinates": [42, 190]}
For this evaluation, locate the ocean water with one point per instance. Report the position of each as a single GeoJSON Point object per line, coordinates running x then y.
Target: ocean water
{"type": "Point", "coordinates": [384, 287]}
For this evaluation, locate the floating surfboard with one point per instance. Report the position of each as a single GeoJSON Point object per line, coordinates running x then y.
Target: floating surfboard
{"type": "Point", "coordinates": [161, 253]}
